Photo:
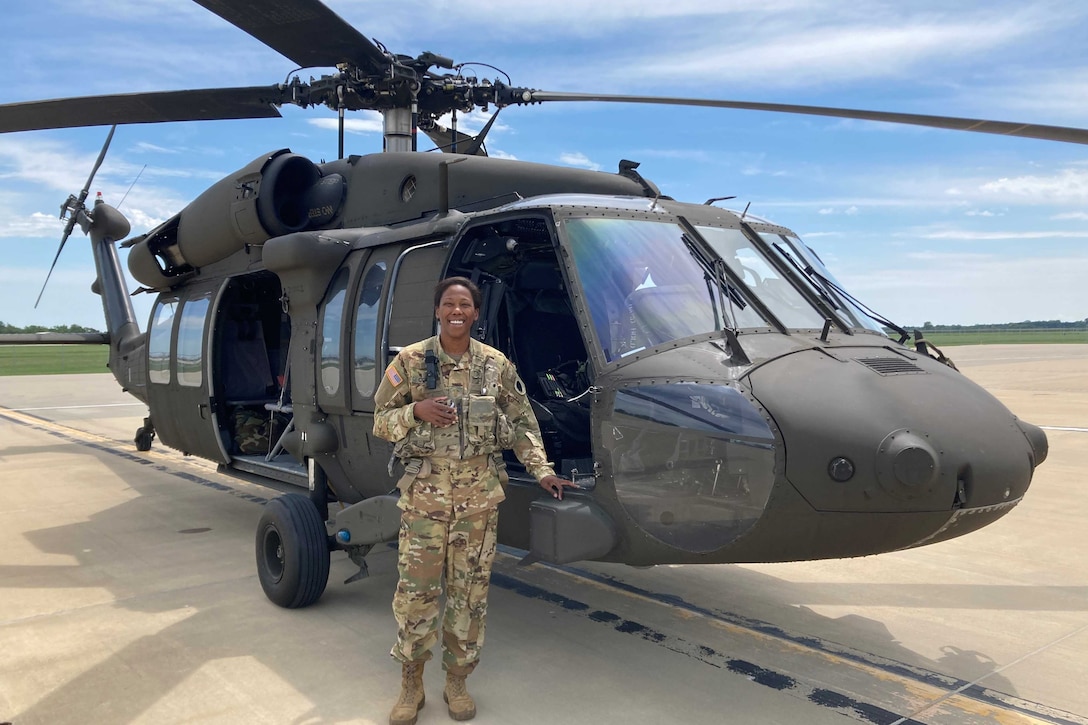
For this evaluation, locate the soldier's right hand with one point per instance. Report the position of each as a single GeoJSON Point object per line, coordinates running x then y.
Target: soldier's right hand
{"type": "Point", "coordinates": [436, 411]}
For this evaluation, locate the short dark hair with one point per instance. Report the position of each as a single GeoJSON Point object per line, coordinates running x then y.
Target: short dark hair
{"type": "Point", "coordinates": [473, 290]}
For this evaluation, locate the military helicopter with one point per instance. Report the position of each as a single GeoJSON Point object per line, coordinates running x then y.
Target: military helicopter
{"type": "Point", "coordinates": [699, 372]}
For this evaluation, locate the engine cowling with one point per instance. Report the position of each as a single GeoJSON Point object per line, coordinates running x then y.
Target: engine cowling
{"type": "Point", "coordinates": [278, 193]}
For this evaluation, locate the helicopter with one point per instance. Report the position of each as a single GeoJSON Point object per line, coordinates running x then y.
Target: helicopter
{"type": "Point", "coordinates": [700, 374]}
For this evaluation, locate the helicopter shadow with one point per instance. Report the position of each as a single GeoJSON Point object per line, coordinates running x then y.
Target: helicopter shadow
{"type": "Point", "coordinates": [165, 592]}
{"type": "Point", "coordinates": [801, 612]}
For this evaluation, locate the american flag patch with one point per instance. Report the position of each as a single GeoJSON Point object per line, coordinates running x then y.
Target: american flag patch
{"type": "Point", "coordinates": [393, 376]}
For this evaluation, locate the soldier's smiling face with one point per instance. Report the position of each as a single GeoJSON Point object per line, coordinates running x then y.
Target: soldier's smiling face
{"type": "Point", "coordinates": [456, 313]}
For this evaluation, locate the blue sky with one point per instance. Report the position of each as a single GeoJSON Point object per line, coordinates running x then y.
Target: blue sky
{"type": "Point", "coordinates": [922, 225]}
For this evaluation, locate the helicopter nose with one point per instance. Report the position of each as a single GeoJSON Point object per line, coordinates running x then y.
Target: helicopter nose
{"type": "Point", "coordinates": [881, 430]}
{"type": "Point", "coordinates": [1040, 446]}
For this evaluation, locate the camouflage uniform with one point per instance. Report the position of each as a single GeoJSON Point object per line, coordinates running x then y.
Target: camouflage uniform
{"type": "Point", "coordinates": [451, 490]}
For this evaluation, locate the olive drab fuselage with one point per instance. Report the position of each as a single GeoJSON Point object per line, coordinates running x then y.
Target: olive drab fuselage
{"type": "Point", "coordinates": [742, 408]}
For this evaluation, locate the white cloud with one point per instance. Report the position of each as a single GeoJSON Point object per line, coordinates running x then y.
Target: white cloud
{"type": "Point", "coordinates": [145, 146]}
{"type": "Point", "coordinates": [969, 290]}
{"type": "Point", "coordinates": [364, 122]}
{"type": "Point", "coordinates": [578, 159]}
{"type": "Point", "coordinates": [34, 225]}
{"type": "Point", "coordinates": [1065, 186]}
{"type": "Point", "coordinates": [972, 235]}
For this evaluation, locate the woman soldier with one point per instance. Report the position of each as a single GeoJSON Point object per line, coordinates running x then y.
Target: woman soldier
{"type": "Point", "coordinates": [451, 405]}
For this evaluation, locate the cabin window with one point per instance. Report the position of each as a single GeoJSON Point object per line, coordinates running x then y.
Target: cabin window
{"type": "Point", "coordinates": [191, 341]}
{"type": "Point", "coordinates": [366, 329]}
{"type": "Point", "coordinates": [158, 342]}
{"type": "Point", "coordinates": [331, 333]}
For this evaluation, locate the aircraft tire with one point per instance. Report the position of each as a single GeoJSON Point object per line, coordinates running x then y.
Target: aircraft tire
{"type": "Point", "coordinates": [143, 439]}
{"type": "Point", "coordinates": [292, 552]}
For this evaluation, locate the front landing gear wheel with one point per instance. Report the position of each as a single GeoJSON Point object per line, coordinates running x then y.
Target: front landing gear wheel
{"type": "Point", "coordinates": [292, 552]}
{"type": "Point", "coordinates": [143, 439]}
{"type": "Point", "coordinates": [144, 435]}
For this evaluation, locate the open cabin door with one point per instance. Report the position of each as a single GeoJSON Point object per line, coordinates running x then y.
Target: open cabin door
{"type": "Point", "coordinates": [528, 312]}
{"type": "Point", "coordinates": [180, 385]}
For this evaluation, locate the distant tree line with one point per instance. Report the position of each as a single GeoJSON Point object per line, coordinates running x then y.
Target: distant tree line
{"type": "Point", "coordinates": [1025, 325]}
{"type": "Point", "coordinates": [5, 328]}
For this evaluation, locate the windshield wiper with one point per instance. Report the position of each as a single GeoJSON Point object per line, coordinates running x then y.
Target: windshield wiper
{"type": "Point", "coordinates": [715, 283]}
{"type": "Point", "coordinates": [826, 286]}
{"type": "Point", "coordinates": [809, 271]}
{"type": "Point", "coordinates": [903, 334]}
{"type": "Point", "coordinates": [717, 286]}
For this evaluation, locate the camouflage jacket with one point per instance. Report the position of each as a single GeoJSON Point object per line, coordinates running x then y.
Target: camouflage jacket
{"type": "Point", "coordinates": [493, 414]}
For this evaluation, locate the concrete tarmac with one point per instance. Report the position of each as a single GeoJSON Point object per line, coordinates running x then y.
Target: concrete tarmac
{"type": "Point", "coordinates": [128, 594]}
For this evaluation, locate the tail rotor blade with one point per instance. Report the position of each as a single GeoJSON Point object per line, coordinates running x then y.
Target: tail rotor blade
{"type": "Point", "coordinates": [98, 163]}
{"type": "Point", "coordinates": [51, 267]}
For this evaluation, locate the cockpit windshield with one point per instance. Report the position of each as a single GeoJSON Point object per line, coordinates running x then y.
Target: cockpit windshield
{"type": "Point", "coordinates": [644, 287]}
{"type": "Point", "coordinates": [811, 267]}
{"type": "Point", "coordinates": [649, 282]}
{"type": "Point", "coordinates": [784, 301]}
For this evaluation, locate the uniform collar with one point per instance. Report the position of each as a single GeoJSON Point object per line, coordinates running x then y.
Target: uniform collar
{"type": "Point", "coordinates": [474, 348]}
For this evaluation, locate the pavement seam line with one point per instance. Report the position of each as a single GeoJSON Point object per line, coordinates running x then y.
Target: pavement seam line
{"type": "Point", "coordinates": [1004, 667]}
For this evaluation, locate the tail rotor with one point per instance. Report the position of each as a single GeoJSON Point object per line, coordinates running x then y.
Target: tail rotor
{"type": "Point", "coordinates": [74, 210]}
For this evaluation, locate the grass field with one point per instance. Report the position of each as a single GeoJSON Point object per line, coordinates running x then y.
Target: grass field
{"type": "Point", "coordinates": [1007, 337]}
{"type": "Point", "coordinates": [52, 359]}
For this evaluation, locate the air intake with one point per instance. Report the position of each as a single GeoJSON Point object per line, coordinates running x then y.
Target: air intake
{"type": "Point", "coordinates": [891, 365]}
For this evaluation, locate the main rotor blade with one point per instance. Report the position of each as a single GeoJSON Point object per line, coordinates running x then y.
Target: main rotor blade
{"type": "Point", "coordinates": [208, 104]}
{"type": "Point", "coordinates": [1003, 128]}
{"type": "Point", "coordinates": [305, 31]}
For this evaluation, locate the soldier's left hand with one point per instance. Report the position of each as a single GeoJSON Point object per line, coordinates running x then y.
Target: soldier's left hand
{"type": "Point", "coordinates": [555, 485]}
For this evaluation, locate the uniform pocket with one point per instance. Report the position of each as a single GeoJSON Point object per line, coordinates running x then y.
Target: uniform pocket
{"type": "Point", "coordinates": [480, 423]}
{"type": "Point", "coordinates": [504, 431]}
{"type": "Point", "coordinates": [419, 442]}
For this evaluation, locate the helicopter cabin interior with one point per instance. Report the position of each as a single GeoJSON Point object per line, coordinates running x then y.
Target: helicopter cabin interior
{"type": "Point", "coordinates": [252, 339]}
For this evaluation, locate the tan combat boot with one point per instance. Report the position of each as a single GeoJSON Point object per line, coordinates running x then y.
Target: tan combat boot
{"type": "Point", "coordinates": [461, 705]}
{"type": "Point", "coordinates": [411, 697]}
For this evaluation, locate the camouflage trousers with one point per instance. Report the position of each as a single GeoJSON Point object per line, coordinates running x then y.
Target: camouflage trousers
{"type": "Point", "coordinates": [461, 552]}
